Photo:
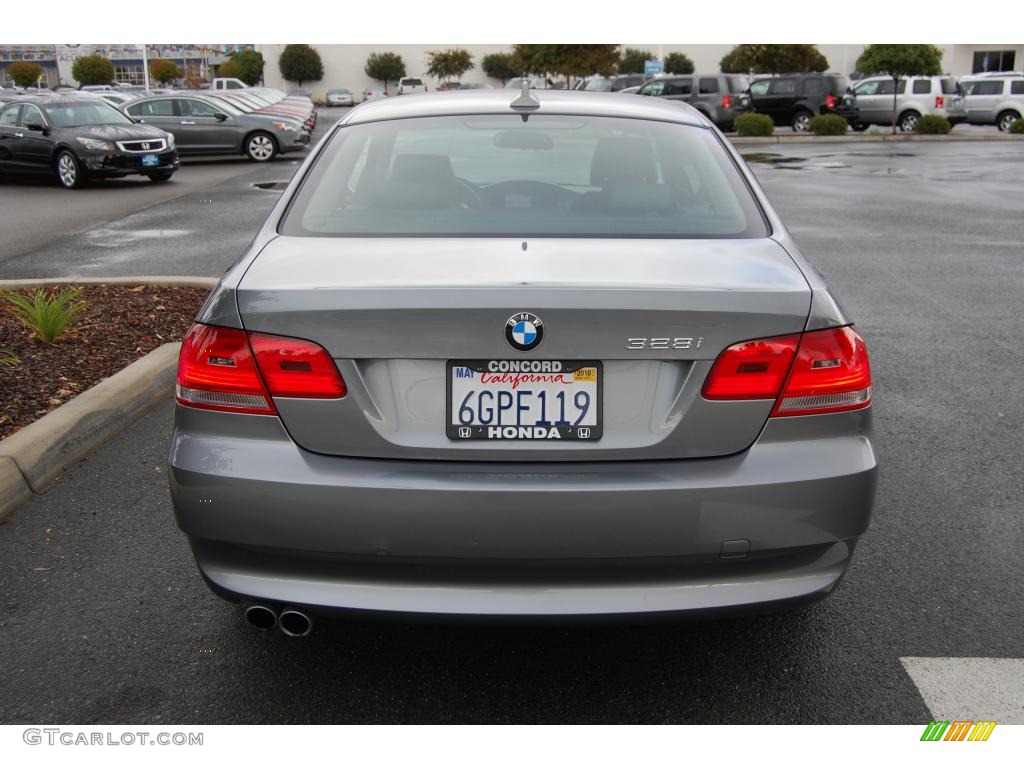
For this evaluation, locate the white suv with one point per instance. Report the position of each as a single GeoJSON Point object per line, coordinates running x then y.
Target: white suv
{"type": "Point", "coordinates": [994, 100]}
{"type": "Point", "coordinates": [915, 96]}
{"type": "Point", "coordinates": [411, 85]}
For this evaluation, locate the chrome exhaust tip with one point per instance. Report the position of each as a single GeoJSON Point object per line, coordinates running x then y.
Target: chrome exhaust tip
{"type": "Point", "coordinates": [260, 617]}
{"type": "Point", "coordinates": [295, 622]}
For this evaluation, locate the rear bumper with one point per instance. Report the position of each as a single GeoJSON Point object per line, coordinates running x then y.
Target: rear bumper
{"type": "Point", "coordinates": [270, 521]}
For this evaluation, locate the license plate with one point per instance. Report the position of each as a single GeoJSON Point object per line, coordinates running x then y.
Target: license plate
{"type": "Point", "coordinates": [150, 160]}
{"type": "Point", "coordinates": [544, 400]}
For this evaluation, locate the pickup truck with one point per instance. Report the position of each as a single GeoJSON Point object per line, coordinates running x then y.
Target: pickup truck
{"type": "Point", "coordinates": [226, 84]}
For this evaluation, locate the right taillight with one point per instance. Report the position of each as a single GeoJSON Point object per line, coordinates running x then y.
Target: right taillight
{"type": "Point", "coordinates": [726, 101]}
{"type": "Point", "coordinates": [225, 369]}
{"type": "Point", "coordinates": [814, 372]}
{"type": "Point", "coordinates": [831, 372]}
{"type": "Point", "coordinates": [939, 101]}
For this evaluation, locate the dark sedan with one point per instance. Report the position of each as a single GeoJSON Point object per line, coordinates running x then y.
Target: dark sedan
{"type": "Point", "coordinates": [81, 138]}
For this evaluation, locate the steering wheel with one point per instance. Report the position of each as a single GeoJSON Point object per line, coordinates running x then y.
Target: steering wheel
{"type": "Point", "coordinates": [470, 193]}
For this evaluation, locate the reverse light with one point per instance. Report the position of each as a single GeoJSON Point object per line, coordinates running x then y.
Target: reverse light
{"type": "Point", "coordinates": [814, 372]}
{"type": "Point", "coordinates": [831, 373]}
{"type": "Point", "coordinates": [225, 369]}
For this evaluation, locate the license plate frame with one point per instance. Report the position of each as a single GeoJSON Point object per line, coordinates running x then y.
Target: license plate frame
{"type": "Point", "coordinates": [576, 433]}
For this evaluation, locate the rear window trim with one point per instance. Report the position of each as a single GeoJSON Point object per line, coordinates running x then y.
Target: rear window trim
{"type": "Point", "coordinates": [326, 141]}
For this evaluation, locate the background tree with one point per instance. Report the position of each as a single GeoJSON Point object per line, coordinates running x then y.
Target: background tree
{"type": "Point", "coordinates": [566, 60]}
{"type": "Point", "coordinates": [385, 66]}
{"type": "Point", "coordinates": [774, 59]}
{"type": "Point", "coordinates": [899, 61]}
{"type": "Point", "coordinates": [500, 66]}
{"type": "Point", "coordinates": [92, 70]}
{"type": "Point", "coordinates": [453, 63]}
{"type": "Point", "coordinates": [164, 71]}
{"type": "Point", "coordinates": [230, 68]}
{"type": "Point", "coordinates": [250, 65]}
{"type": "Point", "coordinates": [678, 64]}
{"type": "Point", "coordinates": [632, 60]}
{"type": "Point", "coordinates": [299, 63]}
{"type": "Point", "coordinates": [24, 73]}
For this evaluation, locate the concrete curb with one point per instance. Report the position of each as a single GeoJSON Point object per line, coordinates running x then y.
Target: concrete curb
{"type": "Point", "coordinates": [35, 456]}
{"type": "Point", "coordinates": [62, 438]}
{"type": "Point", "coordinates": [165, 280]}
{"type": "Point", "coordinates": [859, 138]}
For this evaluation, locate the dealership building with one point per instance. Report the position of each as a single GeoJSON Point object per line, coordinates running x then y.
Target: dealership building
{"type": "Point", "coordinates": [344, 64]}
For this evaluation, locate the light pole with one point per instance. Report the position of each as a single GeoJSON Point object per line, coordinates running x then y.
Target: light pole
{"type": "Point", "coordinates": [145, 67]}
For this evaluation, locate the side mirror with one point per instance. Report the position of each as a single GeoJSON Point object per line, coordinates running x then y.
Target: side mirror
{"type": "Point", "coordinates": [38, 127]}
{"type": "Point", "coordinates": [221, 117]}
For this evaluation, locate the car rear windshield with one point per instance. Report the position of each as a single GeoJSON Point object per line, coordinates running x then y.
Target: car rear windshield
{"type": "Point", "coordinates": [66, 115]}
{"type": "Point", "coordinates": [412, 81]}
{"type": "Point", "coordinates": [737, 83]}
{"type": "Point", "coordinates": [503, 175]}
{"type": "Point", "coordinates": [948, 85]}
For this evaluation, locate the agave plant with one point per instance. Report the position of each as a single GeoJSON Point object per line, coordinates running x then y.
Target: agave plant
{"type": "Point", "coordinates": [48, 314]}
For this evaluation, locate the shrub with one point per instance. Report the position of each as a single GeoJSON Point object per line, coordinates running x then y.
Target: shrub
{"type": "Point", "coordinates": [499, 66]}
{"type": "Point", "coordinates": [92, 70]}
{"type": "Point", "coordinates": [1017, 126]}
{"type": "Point", "coordinates": [300, 63]}
{"type": "Point", "coordinates": [828, 125]}
{"type": "Point", "coordinates": [932, 124]}
{"type": "Point", "coordinates": [752, 124]}
{"type": "Point", "coordinates": [678, 64]}
{"type": "Point", "coordinates": [24, 73]}
{"type": "Point", "coordinates": [164, 70]}
{"type": "Point", "coordinates": [8, 358]}
{"type": "Point", "coordinates": [48, 314]}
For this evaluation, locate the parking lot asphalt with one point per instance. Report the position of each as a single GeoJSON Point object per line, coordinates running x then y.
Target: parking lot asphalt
{"type": "Point", "coordinates": [103, 617]}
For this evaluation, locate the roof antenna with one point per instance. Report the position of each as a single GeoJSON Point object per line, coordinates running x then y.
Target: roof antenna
{"type": "Point", "coordinates": [524, 100]}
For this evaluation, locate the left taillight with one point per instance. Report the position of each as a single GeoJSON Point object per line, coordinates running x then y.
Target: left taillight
{"type": "Point", "coordinates": [225, 369]}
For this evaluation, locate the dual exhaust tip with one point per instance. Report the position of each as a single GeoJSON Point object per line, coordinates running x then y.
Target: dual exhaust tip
{"type": "Point", "coordinates": [294, 622]}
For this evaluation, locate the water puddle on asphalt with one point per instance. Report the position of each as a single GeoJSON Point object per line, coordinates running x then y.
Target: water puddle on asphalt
{"type": "Point", "coordinates": [793, 163]}
{"type": "Point", "coordinates": [271, 186]}
{"type": "Point", "coordinates": [105, 237]}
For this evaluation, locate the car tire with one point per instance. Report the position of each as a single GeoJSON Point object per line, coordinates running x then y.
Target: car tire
{"type": "Point", "coordinates": [260, 147]}
{"type": "Point", "coordinates": [801, 122]}
{"type": "Point", "coordinates": [908, 121]}
{"type": "Point", "coordinates": [859, 127]}
{"type": "Point", "coordinates": [69, 171]}
{"type": "Point", "coordinates": [1006, 119]}
{"type": "Point", "coordinates": [160, 176]}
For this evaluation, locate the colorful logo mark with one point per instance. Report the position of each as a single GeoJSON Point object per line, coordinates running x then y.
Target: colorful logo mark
{"type": "Point", "coordinates": [958, 730]}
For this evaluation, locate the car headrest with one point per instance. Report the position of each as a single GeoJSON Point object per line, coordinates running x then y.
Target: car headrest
{"type": "Point", "coordinates": [422, 168]}
{"type": "Point", "coordinates": [623, 159]}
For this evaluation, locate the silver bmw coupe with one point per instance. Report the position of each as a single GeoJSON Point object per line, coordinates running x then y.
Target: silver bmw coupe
{"type": "Point", "coordinates": [536, 354]}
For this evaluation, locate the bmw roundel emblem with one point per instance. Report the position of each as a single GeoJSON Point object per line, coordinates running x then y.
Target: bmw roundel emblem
{"type": "Point", "coordinates": [524, 331]}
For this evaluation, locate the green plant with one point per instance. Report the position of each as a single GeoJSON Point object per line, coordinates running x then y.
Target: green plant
{"type": "Point", "coordinates": [774, 59]}
{"type": "Point", "coordinates": [828, 125]}
{"type": "Point", "coordinates": [24, 73]}
{"type": "Point", "coordinates": [1017, 126]}
{"type": "Point", "coordinates": [934, 124]}
{"type": "Point", "coordinates": [499, 66]}
{"type": "Point", "coordinates": [92, 70]}
{"type": "Point", "coordinates": [453, 63]}
{"type": "Point", "coordinates": [566, 60]}
{"type": "Point", "coordinates": [385, 66]}
{"type": "Point", "coordinates": [250, 64]}
{"type": "Point", "coordinates": [48, 314]}
{"type": "Point", "coordinates": [164, 70]}
{"type": "Point", "coordinates": [633, 60]}
{"type": "Point", "coordinates": [300, 62]}
{"type": "Point", "coordinates": [753, 124]}
{"type": "Point", "coordinates": [677, 63]}
{"type": "Point", "coordinates": [8, 358]}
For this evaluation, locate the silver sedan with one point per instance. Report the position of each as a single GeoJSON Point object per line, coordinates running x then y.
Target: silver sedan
{"type": "Point", "coordinates": [522, 354]}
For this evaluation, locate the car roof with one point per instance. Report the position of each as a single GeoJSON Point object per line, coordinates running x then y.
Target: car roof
{"type": "Point", "coordinates": [498, 101]}
{"type": "Point", "coordinates": [56, 100]}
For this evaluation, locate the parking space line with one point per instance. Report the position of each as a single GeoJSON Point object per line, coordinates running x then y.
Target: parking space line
{"type": "Point", "coordinates": [970, 688]}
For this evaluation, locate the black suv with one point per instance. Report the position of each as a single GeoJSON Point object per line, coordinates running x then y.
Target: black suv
{"type": "Point", "coordinates": [794, 99]}
{"type": "Point", "coordinates": [76, 138]}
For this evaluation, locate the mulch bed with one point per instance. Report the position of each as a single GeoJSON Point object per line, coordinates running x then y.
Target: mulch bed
{"type": "Point", "coordinates": [119, 324]}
